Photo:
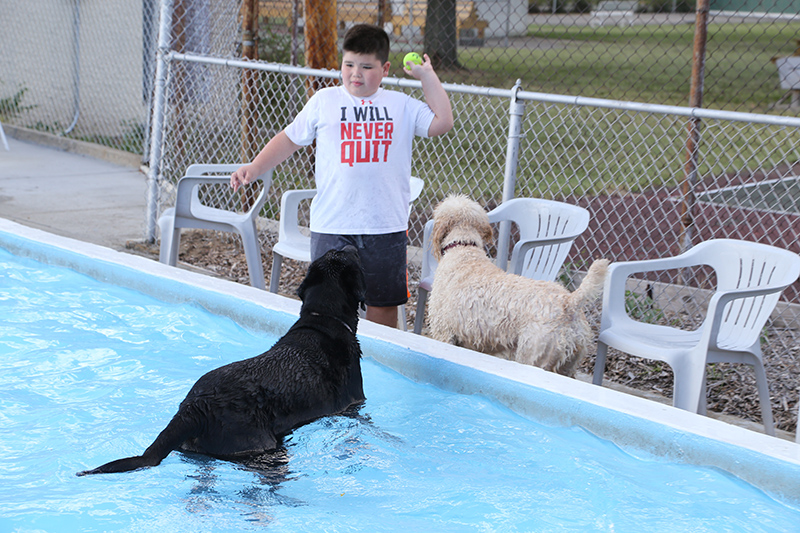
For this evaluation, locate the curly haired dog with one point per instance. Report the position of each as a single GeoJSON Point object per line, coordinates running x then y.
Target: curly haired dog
{"type": "Point", "coordinates": [477, 305]}
{"type": "Point", "coordinates": [243, 410]}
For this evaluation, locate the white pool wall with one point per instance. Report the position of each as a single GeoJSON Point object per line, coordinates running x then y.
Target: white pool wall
{"type": "Point", "coordinates": [640, 426]}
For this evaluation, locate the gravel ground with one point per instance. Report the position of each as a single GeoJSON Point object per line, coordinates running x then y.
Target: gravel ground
{"type": "Point", "coordinates": [732, 389]}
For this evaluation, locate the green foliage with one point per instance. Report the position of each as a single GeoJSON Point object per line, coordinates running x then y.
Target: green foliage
{"type": "Point", "coordinates": [12, 106]}
{"type": "Point", "coordinates": [642, 308]}
{"type": "Point", "coordinates": [274, 44]}
{"type": "Point", "coordinates": [565, 275]}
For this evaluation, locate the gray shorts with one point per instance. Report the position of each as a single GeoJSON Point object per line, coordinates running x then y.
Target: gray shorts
{"type": "Point", "coordinates": [383, 258]}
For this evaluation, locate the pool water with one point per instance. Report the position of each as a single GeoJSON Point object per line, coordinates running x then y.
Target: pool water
{"type": "Point", "coordinates": [92, 372]}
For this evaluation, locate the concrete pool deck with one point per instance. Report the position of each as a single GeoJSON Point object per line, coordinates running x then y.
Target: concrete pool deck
{"type": "Point", "coordinates": [72, 188]}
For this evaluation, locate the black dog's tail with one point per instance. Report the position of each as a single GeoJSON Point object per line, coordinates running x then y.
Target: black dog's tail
{"type": "Point", "coordinates": [176, 432]}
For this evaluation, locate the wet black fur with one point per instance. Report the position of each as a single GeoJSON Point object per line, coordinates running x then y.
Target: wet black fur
{"type": "Point", "coordinates": [243, 409]}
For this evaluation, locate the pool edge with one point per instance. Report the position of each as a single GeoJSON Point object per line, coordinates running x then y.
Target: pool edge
{"type": "Point", "coordinates": [769, 463]}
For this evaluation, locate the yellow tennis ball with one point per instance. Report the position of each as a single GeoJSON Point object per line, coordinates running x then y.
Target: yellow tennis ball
{"type": "Point", "coordinates": [412, 57]}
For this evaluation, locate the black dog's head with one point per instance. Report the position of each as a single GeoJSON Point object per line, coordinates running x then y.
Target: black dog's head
{"type": "Point", "coordinates": [334, 284]}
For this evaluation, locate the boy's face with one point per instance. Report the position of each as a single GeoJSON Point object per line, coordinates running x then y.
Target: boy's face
{"type": "Point", "coordinates": [362, 73]}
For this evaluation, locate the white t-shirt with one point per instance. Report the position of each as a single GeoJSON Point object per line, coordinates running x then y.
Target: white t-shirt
{"type": "Point", "coordinates": [363, 158]}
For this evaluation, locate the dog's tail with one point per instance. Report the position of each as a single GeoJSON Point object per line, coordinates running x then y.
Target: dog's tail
{"type": "Point", "coordinates": [592, 284]}
{"type": "Point", "coordinates": [176, 432]}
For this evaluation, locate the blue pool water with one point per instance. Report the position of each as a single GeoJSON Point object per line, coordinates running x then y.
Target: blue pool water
{"type": "Point", "coordinates": [92, 372]}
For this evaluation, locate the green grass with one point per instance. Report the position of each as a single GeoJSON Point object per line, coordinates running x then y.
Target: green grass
{"type": "Point", "coordinates": [641, 63]}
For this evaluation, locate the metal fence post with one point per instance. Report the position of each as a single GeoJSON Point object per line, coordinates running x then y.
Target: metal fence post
{"type": "Point", "coordinates": [515, 113]}
{"type": "Point", "coordinates": [157, 133]}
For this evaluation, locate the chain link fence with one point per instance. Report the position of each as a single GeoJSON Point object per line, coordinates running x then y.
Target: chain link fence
{"type": "Point", "coordinates": [79, 69]}
{"type": "Point", "coordinates": [85, 69]}
{"type": "Point", "coordinates": [626, 163]}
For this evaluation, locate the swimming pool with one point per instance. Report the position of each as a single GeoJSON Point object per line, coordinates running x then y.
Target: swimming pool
{"type": "Point", "coordinates": [396, 466]}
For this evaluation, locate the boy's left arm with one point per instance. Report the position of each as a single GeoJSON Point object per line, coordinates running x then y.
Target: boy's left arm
{"type": "Point", "coordinates": [435, 96]}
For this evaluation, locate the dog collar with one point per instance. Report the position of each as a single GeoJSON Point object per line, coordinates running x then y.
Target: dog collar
{"type": "Point", "coordinates": [314, 313]}
{"type": "Point", "coordinates": [457, 243]}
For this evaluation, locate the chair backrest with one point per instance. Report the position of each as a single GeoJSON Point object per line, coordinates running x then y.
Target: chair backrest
{"type": "Point", "coordinates": [212, 169]}
{"type": "Point", "coordinates": [416, 189]}
{"type": "Point", "coordinates": [289, 224]}
{"type": "Point", "coordinates": [429, 262]}
{"type": "Point", "coordinates": [742, 265]}
{"type": "Point", "coordinates": [547, 230]}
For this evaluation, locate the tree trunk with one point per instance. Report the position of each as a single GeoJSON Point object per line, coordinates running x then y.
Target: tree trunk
{"type": "Point", "coordinates": [321, 38]}
{"type": "Point", "coordinates": [440, 34]}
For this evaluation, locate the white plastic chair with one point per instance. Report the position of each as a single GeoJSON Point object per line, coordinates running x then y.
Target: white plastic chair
{"type": "Point", "coordinates": [191, 212]}
{"type": "Point", "coordinates": [750, 279]}
{"type": "Point", "coordinates": [547, 230]}
{"type": "Point", "coordinates": [292, 243]}
{"type": "Point", "coordinates": [3, 138]}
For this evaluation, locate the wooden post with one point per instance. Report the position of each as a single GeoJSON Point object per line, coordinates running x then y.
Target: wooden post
{"type": "Point", "coordinates": [693, 138]}
{"type": "Point", "coordinates": [178, 86]}
{"type": "Point", "coordinates": [249, 51]}
{"type": "Point", "coordinates": [321, 39]}
{"type": "Point", "coordinates": [249, 94]}
{"type": "Point", "coordinates": [322, 50]}
{"type": "Point", "coordinates": [382, 13]}
{"type": "Point", "coordinates": [295, 22]}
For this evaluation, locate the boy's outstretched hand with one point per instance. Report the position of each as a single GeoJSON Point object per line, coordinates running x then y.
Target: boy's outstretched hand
{"type": "Point", "coordinates": [242, 176]}
{"type": "Point", "coordinates": [275, 152]}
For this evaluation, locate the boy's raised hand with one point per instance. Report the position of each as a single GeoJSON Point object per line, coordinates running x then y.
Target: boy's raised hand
{"type": "Point", "coordinates": [418, 71]}
{"type": "Point", "coordinates": [435, 95]}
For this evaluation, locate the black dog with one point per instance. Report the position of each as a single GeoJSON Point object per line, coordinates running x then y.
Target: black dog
{"type": "Point", "coordinates": [243, 409]}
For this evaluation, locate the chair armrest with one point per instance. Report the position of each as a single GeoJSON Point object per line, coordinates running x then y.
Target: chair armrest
{"type": "Point", "coordinates": [187, 197]}
{"type": "Point", "coordinates": [192, 181]}
{"type": "Point", "coordinates": [720, 299]}
{"type": "Point", "coordinates": [628, 268]}
{"type": "Point", "coordinates": [615, 285]}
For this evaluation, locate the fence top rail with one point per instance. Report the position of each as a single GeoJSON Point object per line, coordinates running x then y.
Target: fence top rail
{"type": "Point", "coordinates": [692, 112]}
{"type": "Point", "coordinates": [514, 93]}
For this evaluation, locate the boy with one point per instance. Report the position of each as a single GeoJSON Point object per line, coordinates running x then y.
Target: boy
{"type": "Point", "coordinates": [364, 135]}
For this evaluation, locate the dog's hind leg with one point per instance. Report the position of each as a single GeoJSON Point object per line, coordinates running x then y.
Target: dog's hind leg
{"type": "Point", "coordinates": [176, 432]}
{"type": "Point", "coordinates": [538, 347]}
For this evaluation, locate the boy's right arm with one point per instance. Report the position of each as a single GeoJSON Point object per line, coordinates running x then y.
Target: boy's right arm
{"type": "Point", "coordinates": [435, 96]}
{"type": "Point", "coordinates": [277, 150]}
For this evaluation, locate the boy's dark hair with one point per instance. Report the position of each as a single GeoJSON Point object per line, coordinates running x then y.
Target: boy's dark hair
{"type": "Point", "coordinates": [367, 39]}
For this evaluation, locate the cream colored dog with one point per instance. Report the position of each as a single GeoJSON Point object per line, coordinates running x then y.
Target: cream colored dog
{"type": "Point", "coordinates": [475, 304]}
